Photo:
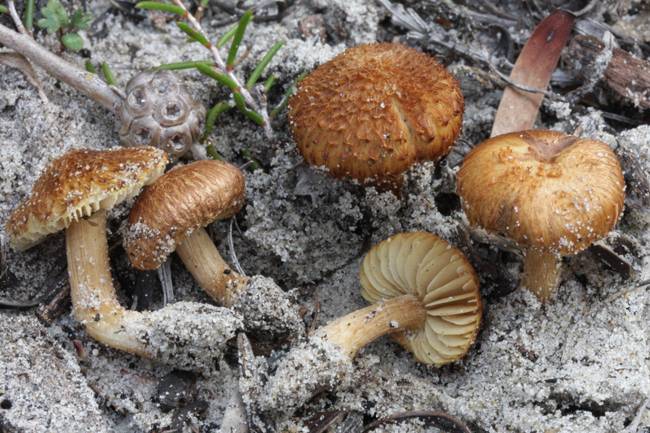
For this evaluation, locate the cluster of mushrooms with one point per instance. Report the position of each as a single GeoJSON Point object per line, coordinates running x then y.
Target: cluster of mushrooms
{"type": "Point", "coordinates": [368, 114]}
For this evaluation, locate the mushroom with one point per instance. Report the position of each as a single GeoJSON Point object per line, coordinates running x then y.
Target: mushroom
{"type": "Point", "coordinates": [374, 110]}
{"type": "Point", "coordinates": [422, 290]}
{"type": "Point", "coordinates": [171, 215]}
{"type": "Point", "coordinates": [74, 193]}
{"type": "Point", "coordinates": [551, 193]}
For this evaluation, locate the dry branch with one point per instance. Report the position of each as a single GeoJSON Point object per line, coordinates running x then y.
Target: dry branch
{"type": "Point", "coordinates": [624, 75]}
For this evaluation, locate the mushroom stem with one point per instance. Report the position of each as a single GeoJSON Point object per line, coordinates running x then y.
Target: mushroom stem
{"type": "Point", "coordinates": [202, 259]}
{"type": "Point", "coordinates": [541, 272]}
{"type": "Point", "coordinates": [359, 328]}
{"type": "Point", "coordinates": [94, 302]}
{"type": "Point", "coordinates": [89, 84]}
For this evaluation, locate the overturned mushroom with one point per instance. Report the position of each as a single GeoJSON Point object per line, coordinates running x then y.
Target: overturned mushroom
{"type": "Point", "coordinates": [423, 291]}
{"type": "Point", "coordinates": [170, 215]}
{"type": "Point", "coordinates": [551, 193]}
{"type": "Point", "coordinates": [374, 110]}
{"type": "Point", "coordinates": [74, 193]}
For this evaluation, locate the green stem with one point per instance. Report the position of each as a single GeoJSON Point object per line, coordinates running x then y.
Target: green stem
{"type": "Point", "coordinates": [261, 66]}
{"type": "Point", "coordinates": [211, 117]}
{"type": "Point", "coordinates": [192, 64]}
{"type": "Point", "coordinates": [239, 35]}
{"type": "Point", "coordinates": [193, 34]}
{"type": "Point", "coordinates": [223, 40]}
{"type": "Point", "coordinates": [29, 15]}
{"type": "Point", "coordinates": [163, 7]}
{"type": "Point", "coordinates": [219, 77]}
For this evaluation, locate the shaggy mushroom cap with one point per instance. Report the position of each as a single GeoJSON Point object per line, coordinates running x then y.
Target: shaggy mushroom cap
{"type": "Point", "coordinates": [374, 110]}
{"type": "Point", "coordinates": [78, 184]}
{"type": "Point", "coordinates": [439, 275]}
{"type": "Point", "coordinates": [182, 200]}
{"type": "Point", "coordinates": [543, 189]}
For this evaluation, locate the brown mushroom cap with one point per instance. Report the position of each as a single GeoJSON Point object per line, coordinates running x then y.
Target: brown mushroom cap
{"type": "Point", "coordinates": [79, 183]}
{"type": "Point", "coordinates": [543, 189]}
{"type": "Point", "coordinates": [374, 110]}
{"type": "Point", "coordinates": [182, 200]}
{"type": "Point", "coordinates": [438, 274]}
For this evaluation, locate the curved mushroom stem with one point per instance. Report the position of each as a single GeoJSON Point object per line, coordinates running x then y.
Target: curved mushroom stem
{"type": "Point", "coordinates": [324, 361]}
{"type": "Point", "coordinates": [94, 302]}
{"type": "Point", "coordinates": [541, 272]}
{"type": "Point", "coordinates": [89, 84]}
{"type": "Point", "coordinates": [359, 328]}
{"type": "Point", "coordinates": [202, 259]}
{"type": "Point", "coordinates": [188, 336]}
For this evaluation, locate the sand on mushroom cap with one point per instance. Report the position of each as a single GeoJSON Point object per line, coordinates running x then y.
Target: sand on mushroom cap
{"type": "Point", "coordinates": [74, 193]}
{"type": "Point", "coordinates": [423, 291]}
{"type": "Point", "coordinates": [171, 215]}
{"type": "Point", "coordinates": [374, 110]}
{"type": "Point", "coordinates": [553, 194]}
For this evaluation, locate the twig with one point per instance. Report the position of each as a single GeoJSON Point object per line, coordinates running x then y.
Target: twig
{"type": "Point", "coordinates": [628, 290]}
{"type": "Point", "coordinates": [15, 17]}
{"type": "Point", "coordinates": [221, 67]}
{"type": "Point", "coordinates": [165, 276]}
{"type": "Point", "coordinates": [87, 83]}
{"type": "Point", "coordinates": [231, 247]}
{"type": "Point", "coordinates": [517, 86]}
{"type": "Point", "coordinates": [18, 61]}
{"type": "Point", "coordinates": [433, 417]}
{"type": "Point", "coordinates": [634, 426]}
{"type": "Point", "coordinates": [585, 9]}
{"type": "Point", "coordinates": [48, 313]}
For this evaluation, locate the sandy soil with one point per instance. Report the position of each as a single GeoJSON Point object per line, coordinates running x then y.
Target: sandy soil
{"type": "Point", "coordinates": [578, 364]}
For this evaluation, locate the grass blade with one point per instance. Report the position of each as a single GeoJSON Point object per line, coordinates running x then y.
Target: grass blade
{"type": "Point", "coordinates": [193, 34]}
{"type": "Point", "coordinates": [191, 64]}
{"type": "Point", "coordinates": [223, 40]}
{"type": "Point", "coordinates": [220, 78]}
{"type": "Point", "coordinates": [3, 10]}
{"type": "Point", "coordinates": [269, 83]}
{"type": "Point", "coordinates": [210, 119]}
{"type": "Point", "coordinates": [239, 35]}
{"type": "Point", "coordinates": [261, 66]}
{"type": "Point", "coordinates": [158, 6]}
{"type": "Point", "coordinates": [293, 88]}
{"type": "Point", "coordinates": [29, 15]}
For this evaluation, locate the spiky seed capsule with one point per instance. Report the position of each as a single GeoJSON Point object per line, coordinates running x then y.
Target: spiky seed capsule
{"type": "Point", "coordinates": [158, 111]}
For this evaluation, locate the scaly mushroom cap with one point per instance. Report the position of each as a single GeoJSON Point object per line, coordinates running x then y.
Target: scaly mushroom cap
{"type": "Point", "coordinates": [79, 183]}
{"type": "Point", "coordinates": [374, 110]}
{"type": "Point", "coordinates": [181, 201]}
{"type": "Point", "coordinates": [423, 265]}
{"type": "Point", "coordinates": [543, 189]}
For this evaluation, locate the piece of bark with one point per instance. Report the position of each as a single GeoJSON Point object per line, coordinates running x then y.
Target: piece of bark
{"type": "Point", "coordinates": [48, 312]}
{"type": "Point", "coordinates": [626, 76]}
{"type": "Point", "coordinates": [518, 109]}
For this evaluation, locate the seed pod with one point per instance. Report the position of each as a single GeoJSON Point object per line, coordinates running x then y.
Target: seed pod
{"type": "Point", "coordinates": [158, 111]}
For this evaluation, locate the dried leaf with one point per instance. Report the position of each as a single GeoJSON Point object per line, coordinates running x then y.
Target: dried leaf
{"type": "Point", "coordinates": [18, 61]}
{"type": "Point", "coordinates": [518, 109]}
